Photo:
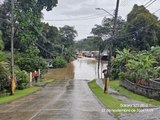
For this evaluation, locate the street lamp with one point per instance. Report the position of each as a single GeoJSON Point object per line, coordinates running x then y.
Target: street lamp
{"type": "Point", "coordinates": [105, 11]}
{"type": "Point", "coordinates": [108, 73]}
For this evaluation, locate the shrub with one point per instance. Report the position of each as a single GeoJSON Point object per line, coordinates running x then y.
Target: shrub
{"type": "Point", "coordinates": [4, 56]}
{"type": "Point", "coordinates": [3, 76]}
{"type": "Point", "coordinates": [59, 62]}
{"type": "Point", "coordinates": [22, 78]}
{"type": "Point", "coordinates": [141, 66]}
{"type": "Point", "coordinates": [120, 61]}
{"type": "Point", "coordinates": [30, 64]}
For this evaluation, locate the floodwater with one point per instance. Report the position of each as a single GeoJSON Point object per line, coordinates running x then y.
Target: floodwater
{"type": "Point", "coordinates": [81, 68]}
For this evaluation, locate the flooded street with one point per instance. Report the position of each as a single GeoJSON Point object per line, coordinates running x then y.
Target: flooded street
{"type": "Point", "coordinates": [67, 98]}
{"type": "Point", "coordinates": [85, 68]}
{"type": "Point", "coordinates": [81, 68]}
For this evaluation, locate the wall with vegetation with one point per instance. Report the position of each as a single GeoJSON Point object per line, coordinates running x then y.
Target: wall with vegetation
{"type": "Point", "coordinates": [147, 91]}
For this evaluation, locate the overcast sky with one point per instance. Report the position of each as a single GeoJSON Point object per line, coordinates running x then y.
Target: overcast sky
{"type": "Point", "coordinates": [83, 16]}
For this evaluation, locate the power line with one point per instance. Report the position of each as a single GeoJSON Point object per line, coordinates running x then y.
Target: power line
{"type": "Point", "coordinates": [151, 3]}
{"type": "Point", "coordinates": [64, 20]}
{"type": "Point", "coordinates": [147, 2]}
{"type": "Point", "coordinates": [136, 31]}
{"type": "Point", "coordinates": [133, 33]}
{"type": "Point", "coordinates": [156, 11]}
{"type": "Point", "coordinates": [44, 49]}
{"type": "Point", "coordinates": [75, 25]}
{"type": "Point", "coordinates": [81, 18]}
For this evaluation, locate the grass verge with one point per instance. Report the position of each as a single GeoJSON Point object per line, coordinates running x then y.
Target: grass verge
{"type": "Point", "coordinates": [48, 81]}
{"type": "Point", "coordinates": [18, 94]}
{"type": "Point", "coordinates": [107, 100]}
{"type": "Point", "coordinates": [115, 85]}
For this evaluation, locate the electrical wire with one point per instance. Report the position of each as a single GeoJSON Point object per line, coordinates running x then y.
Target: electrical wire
{"type": "Point", "coordinates": [156, 11]}
{"type": "Point", "coordinates": [139, 30]}
{"type": "Point", "coordinates": [143, 28]}
{"type": "Point", "coordinates": [94, 16]}
{"type": "Point", "coordinates": [148, 2]}
{"type": "Point", "coordinates": [44, 49]}
{"type": "Point", "coordinates": [136, 31]}
{"type": "Point", "coordinates": [151, 3]}
{"type": "Point", "coordinates": [64, 20]}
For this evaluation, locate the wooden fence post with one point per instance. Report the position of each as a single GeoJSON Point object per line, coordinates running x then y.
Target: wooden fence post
{"type": "Point", "coordinates": [30, 79]}
{"type": "Point", "coordinates": [39, 74]}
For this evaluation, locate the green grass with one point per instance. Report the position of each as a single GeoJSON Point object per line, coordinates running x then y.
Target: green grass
{"type": "Point", "coordinates": [48, 81]}
{"type": "Point", "coordinates": [18, 94]}
{"type": "Point", "coordinates": [115, 85]}
{"type": "Point", "coordinates": [106, 99]}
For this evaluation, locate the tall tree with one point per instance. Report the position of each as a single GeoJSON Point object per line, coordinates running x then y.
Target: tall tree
{"type": "Point", "coordinates": [28, 14]}
{"type": "Point", "coordinates": [90, 43]}
{"type": "Point", "coordinates": [4, 23]}
{"type": "Point", "coordinates": [105, 31]}
{"type": "Point", "coordinates": [143, 27]}
{"type": "Point", "coordinates": [68, 34]}
{"type": "Point", "coordinates": [28, 18]}
{"type": "Point", "coordinates": [50, 41]}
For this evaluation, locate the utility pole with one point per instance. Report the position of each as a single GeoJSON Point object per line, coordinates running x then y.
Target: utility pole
{"type": "Point", "coordinates": [113, 37]}
{"type": "Point", "coordinates": [111, 49]}
{"type": "Point", "coordinates": [12, 48]}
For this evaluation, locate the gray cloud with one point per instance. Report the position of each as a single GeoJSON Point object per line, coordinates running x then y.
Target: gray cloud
{"type": "Point", "coordinates": [81, 9]}
{"type": "Point", "coordinates": [70, 9]}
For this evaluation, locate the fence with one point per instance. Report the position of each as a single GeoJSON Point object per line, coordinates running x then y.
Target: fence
{"type": "Point", "coordinates": [5, 85]}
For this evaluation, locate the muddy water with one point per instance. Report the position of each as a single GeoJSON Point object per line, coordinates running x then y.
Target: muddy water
{"type": "Point", "coordinates": [82, 68]}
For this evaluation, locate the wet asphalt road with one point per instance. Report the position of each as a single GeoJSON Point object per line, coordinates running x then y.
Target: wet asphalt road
{"type": "Point", "coordinates": [60, 100]}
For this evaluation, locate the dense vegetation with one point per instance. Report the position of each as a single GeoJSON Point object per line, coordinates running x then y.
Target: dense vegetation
{"type": "Point", "coordinates": [34, 41]}
{"type": "Point", "coordinates": [135, 45]}
{"type": "Point", "coordinates": [138, 61]}
{"type": "Point", "coordinates": [137, 66]}
{"type": "Point", "coordinates": [139, 32]}
{"type": "Point", "coordinates": [59, 62]}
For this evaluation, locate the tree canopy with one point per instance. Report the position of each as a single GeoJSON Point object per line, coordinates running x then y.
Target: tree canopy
{"type": "Point", "coordinates": [141, 31]}
{"type": "Point", "coordinates": [144, 28]}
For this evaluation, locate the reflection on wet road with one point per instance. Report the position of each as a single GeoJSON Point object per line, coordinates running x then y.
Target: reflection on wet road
{"type": "Point", "coordinates": [61, 100]}
{"type": "Point", "coordinates": [68, 98]}
{"type": "Point", "coordinates": [83, 68]}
